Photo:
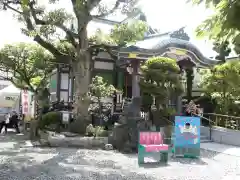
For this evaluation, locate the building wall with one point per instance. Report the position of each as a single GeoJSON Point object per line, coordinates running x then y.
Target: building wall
{"type": "Point", "coordinates": [221, 135]}
{"type": "Point", "coordinates": [104, 66]}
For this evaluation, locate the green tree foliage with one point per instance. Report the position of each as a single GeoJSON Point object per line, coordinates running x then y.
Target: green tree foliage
{"type": "Point", "coordinates": [98, 91]}
{"type": "Point", "coordinates": [101, 89]}
{"type": "Point", "coordinates": [46, 27]}
{"type": "Point", "coordinates": [222, 84]}
{"type": "Point", "coordinates": [224, 24]}
{"type": "Point", "coordinates": [51, 121]}
{"type": "Point", "coordinates": [28, 66]}
{"type": "Point", "coordinates": [223, 50]}
{"type": "Point", "coordinates": [121, 34]}
{"type": "Point", "coordinates": [161, 79]}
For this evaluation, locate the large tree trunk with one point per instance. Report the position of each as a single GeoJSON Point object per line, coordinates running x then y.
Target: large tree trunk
{"type": "Point", "coordinates": [34, 122]}
{"type": "Point", "coordinates": [82, 81]}
{"type": "Point", "coordinates": [82, 73]}
{"type": "Point", "coordinates": [40, 101]}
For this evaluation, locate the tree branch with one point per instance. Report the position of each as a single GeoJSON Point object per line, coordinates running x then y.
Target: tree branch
{"type": "Point", "coordinates": [104, 14]}
{"type": "Point", "coordinates": [82, 15]}
{"type": "Point", "coordinates": [13, 82]}
{"type": "Point", "coordinates": [11, 79]}
{"type": "Point", "coordinates": [50, 47]}
{"type": "Point", "coordinates": [27, 17]}
{"type": "Point", "coordinates": [38, 21]}
{"type": "Point", "coordinates": [42, 81]}
{"type": "Point", "coordinates": [103, 47]}
{"type": "Point", "coordinates": [6, 5]}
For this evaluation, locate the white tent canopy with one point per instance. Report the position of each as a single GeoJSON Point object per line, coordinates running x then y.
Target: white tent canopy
{"type": "Point", "coordinates": [9, 96]}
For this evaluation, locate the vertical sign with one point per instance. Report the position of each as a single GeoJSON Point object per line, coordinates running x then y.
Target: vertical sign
{"type": "Point", "coordinates": [25, 102]}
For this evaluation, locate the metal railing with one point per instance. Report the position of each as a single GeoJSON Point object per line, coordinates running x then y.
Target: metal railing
{"type": "Point", "coordinates": [226, 121]}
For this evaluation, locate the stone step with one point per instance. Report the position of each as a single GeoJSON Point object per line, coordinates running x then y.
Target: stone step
{"type": "Point", "coordinates": [206, 140]}
{"type": "Point", "coordinates": [204, 137]}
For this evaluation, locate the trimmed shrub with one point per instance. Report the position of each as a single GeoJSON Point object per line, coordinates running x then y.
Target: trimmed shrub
{"type": "Point", "coordinates": [51, 120]}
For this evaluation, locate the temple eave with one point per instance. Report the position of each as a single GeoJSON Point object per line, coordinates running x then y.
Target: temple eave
{"type": "Point", "coordinates": [171, 45]}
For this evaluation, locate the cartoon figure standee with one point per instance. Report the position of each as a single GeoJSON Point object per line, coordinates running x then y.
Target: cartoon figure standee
{"type": "Point", "coordinates": [187, 136]}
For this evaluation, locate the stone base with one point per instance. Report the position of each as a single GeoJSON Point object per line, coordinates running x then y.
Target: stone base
{"type": "Point", "coordinates": [60, 140]}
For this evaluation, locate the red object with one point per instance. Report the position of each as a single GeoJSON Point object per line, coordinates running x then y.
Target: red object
{"type": "Point", "coordinates": [156, 148]}
{"type": "Point", "coordinates": [152, 141]}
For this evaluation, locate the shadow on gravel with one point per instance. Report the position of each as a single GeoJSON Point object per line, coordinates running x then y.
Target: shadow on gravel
{"type": "Point", "coordinates": [21, 162]}
{"type": "Point", "coordinates": [153, 165]}
{"type": "Point", "coordinates": [204, 154]}
{"type": "Point", "coordinates": [191, 161]}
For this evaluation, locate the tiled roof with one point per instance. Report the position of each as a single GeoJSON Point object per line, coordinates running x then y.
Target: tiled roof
{"type": "Point", "coordinates": [158, 45]}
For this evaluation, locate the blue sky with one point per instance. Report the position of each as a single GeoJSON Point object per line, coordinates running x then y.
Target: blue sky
{"type": "Point", "coordinates": [165, 15]}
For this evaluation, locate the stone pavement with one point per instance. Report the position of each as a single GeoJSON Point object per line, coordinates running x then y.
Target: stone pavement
{"type": "Point", "coordinates": [221, 148]}
{"type": "Point", "coordinates": [20, 161]}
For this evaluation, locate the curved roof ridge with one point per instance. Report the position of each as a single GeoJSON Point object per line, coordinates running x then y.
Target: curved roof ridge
{"type": "Point", "coordinates": [190, 44]}
{"type": "Point", "coordinates": [160, 43]}
{"type": "Point", "coordinates": [156, 35]}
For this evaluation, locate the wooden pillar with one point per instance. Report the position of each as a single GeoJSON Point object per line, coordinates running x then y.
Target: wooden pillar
{"type": "Point", "coordinates": [179, 105]}
{"type": "Point", "coordinates": [58, 83]}
{"type": "Point", "coordinates": [135, 79]}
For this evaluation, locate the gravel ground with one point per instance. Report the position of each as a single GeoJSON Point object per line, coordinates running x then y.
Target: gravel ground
{"type": "Point", "coordinates": [20, 161]}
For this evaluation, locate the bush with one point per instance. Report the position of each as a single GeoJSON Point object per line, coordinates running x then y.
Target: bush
{"type": "Point", "coordinates": [97, 131]}
{"type": "Point", "coordinates": [78, 125]}
{"type": "Point", "coordinates": [51, 119]}
{"type": "Point", "coordinates": [90, 130]}
{"type": "Point", "coordinates": [100, 132]}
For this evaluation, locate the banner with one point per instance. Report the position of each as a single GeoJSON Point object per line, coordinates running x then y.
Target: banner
{"type": "Point", "coordinates": [26, 97]}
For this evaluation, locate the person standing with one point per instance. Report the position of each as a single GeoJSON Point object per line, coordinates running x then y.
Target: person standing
{"type": "Point", "coordinates": [3, 122]}
{"type": "Point", "coordinates": [14, 121]}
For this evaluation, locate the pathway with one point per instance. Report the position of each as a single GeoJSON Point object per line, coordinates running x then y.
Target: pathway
{"type": "Point", "coordinates": [221, 148]}
{"type": "Point", "coordinates": [20, 161]}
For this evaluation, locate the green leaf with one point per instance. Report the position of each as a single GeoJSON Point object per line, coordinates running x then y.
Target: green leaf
{"type": "Point", "coordinates": [222, 84]}
{"type": "Point", "coordinates": [29, 64]}
{"type": "Point", "coordinates": [224, 24]}
{"type": "Point", "coordinates": [24, 3]}
{"type": "Point", "coordinates": [122, 34]}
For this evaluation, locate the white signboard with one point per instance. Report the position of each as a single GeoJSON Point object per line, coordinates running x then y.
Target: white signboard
{"type": "Point", "coordinates": [65, 117]}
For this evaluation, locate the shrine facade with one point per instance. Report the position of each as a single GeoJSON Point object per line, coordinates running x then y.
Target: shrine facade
{"type": "Point", "coordinates": [124, 72]}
